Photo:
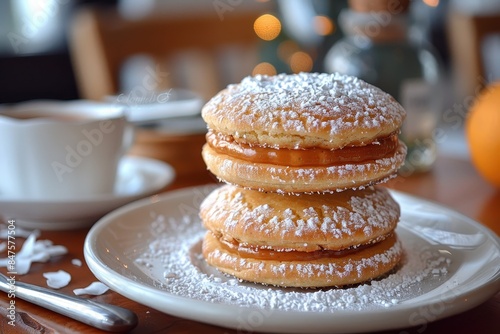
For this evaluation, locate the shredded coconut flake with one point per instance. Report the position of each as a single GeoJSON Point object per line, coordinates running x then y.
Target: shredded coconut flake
{"type": "Point", "coordinates": [76, 262]}
{"type": "Point", "coordinates": [94, 289]}
{"type": "Point", "coordinates": [58, 279]}
{"type": "Point", "coordinates": [20, 232]}
{"type": "Point", "coordinates": [32, 251]}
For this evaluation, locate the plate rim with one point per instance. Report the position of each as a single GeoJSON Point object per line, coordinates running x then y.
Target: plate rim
{"type": "Point", "coordinates": [477, 294]}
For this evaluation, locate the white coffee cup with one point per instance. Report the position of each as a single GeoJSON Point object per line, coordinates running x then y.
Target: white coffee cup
{"type": "Point", "coordinates": [58, 150]}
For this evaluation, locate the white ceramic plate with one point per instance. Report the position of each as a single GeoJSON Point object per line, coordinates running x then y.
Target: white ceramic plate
{"type": "Point", "coordinates": [149, 251]}
{"type": "Point", "coordinates": [137, 178]}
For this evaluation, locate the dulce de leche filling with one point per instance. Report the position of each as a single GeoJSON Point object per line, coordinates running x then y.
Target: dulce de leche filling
{"type": "Point", "coordinates": [378, 149]}
{"type": "Point", "coordinates": [246, 251]}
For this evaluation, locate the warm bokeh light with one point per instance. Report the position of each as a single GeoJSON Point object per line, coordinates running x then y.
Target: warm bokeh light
{"type": "Point", "coordinates": [264, 68]}
{"type": "Point", "coordinates": [267, 27]}
{"type": "Point", "coordinates": [323, 25]}
{"type": "Point", "coordinates": [431, 3]}
{"type": "Point", "coordinates": [286, 49]}
{"type": "Point", "coordinates": [301, 62]}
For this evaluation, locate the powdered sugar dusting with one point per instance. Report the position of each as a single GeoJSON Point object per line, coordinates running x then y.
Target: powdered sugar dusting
{"type": "Point", "coordinates": [305, 103]}
{"type": "Point", "coordinates": [307, 271]}
{"type": "Point", "coordinates": [328, 220]}
{"type": "Point", "coordinates": [176, 258]}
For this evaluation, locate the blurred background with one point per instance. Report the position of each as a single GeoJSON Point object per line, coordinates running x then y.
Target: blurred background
{"type": "Point", "coordinates": [83, 49]}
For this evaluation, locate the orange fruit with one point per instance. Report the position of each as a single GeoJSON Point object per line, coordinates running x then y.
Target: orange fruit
{"type": "Point", "coordinates": [482, 128]}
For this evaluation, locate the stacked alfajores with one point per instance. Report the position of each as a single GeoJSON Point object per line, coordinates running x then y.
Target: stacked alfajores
{"type": "Point", "coordinates": [300, 155]}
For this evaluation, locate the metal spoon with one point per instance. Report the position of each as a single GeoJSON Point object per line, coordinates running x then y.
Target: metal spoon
{"type": "Point", "coordinates": [100, 315]}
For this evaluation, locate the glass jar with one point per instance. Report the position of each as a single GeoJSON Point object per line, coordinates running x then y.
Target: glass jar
{"type": "Point", "coordinates": [378, 49]}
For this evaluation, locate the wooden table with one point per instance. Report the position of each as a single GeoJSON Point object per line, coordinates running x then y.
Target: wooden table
{"type": "Point", "coordinates": [453, 183]}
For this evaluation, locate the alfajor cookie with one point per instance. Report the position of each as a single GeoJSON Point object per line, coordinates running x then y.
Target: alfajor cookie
{"type": "Point", "coordinates": [311, 240]}
{"type": "Point", "coordinates": [306, 132]}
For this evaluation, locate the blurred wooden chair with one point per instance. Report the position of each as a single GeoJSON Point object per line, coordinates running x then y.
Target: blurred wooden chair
{"type": "Point", "coordinates": [466, 33]}
{"type": "Point", "coordinates": [202, 53]}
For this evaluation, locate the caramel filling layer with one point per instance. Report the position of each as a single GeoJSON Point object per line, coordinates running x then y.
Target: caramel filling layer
{"type": "Point", "coordinates": [378, 149]}
{"type": "Point", "coordinates": [245, 251]}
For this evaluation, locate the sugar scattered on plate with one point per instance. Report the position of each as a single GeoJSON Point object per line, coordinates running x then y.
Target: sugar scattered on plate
{"type": "Point", "coordinates": [174, 259]}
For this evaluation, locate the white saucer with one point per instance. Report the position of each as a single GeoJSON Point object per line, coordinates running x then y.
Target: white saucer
{"type": "Point", "coordinates": [175, 103]}
{"type": "Point", "coordinates": [149, 251]}
{"type": "Point", "coordinates": [171, 104]}
{"type": "Point", "coordinates": [137, 178]}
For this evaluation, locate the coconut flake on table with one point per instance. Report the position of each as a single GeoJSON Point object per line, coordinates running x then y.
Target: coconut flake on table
{"type": "Point", "coordinates": [58, 279]}
{"type": "Point", "coordinates": [76, 262]}
{"type": "Point", "coordinates": [33, 251]}
{"type": "Point", "coordinates": [94, 289]}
